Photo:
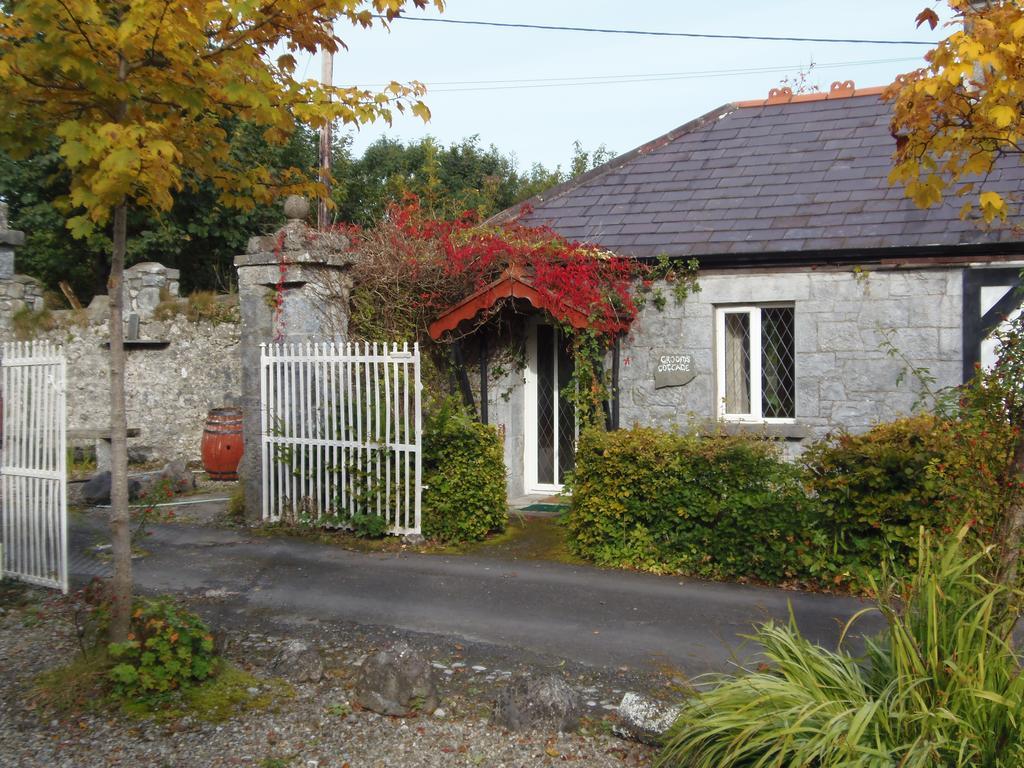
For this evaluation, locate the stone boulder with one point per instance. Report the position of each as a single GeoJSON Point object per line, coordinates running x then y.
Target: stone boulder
{"type": "Point", "coordinates": [298, 662]}
{"type": "Point", "coordinates": [644, 719]}
{"type": "Point", "coordinates": [548, 702]}
{"type": "Point", "coordinates": [397, 681]}
{"type": "Point", "coordinates": [178, 475]}
{"type": "Point", "coordinates": [96, 490]}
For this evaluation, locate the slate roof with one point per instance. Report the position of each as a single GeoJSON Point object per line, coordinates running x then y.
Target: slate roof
{"type": "Point", "coordinates": [761, 178]}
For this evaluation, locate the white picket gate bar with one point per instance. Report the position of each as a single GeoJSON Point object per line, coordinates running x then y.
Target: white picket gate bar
{"type": "Point", "coordinates": [341, 432]}
{"type": "Point", "coordinates": [33, 464]}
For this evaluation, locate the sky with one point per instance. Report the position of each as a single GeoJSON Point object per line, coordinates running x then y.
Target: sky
{"type": "Point", "coordinates": [506, 86]}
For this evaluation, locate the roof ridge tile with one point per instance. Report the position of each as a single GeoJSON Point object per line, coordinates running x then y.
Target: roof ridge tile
{"type": "Point", "coordinates": [838, 90]}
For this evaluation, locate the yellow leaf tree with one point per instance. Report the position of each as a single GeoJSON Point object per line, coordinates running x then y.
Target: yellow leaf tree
{"type": "Point", "coordinates": [138, 94]}
{"type": "Point", "coordinates": [954, 119]}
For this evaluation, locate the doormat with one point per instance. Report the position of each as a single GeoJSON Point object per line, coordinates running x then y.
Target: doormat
{"type": "Point", "coordinates": [544, 508]}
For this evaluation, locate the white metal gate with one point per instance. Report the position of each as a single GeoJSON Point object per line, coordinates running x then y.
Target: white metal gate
{"type": "Point", "coordinates": [33, 487]}
{"type": "Point", "coordinates": [341, 426]}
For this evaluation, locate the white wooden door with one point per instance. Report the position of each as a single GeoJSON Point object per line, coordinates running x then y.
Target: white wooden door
{"type": "Point", "coordinates": [33, 469]}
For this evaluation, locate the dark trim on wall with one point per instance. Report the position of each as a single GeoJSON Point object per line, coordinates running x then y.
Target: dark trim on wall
{"type": "Point", "coordinates": [976, 327]}
{"type": "Point", "coordinates": [462, 376]}
{"type": "Point", "coordinates": [483, 378]}
{"type": "Point", "coordinates": [616, 351]}
{"type": "Point", "coordinates": [924, 256]}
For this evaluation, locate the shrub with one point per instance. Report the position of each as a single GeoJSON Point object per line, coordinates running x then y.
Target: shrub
{"type": "Point", "coordinates": [168, 648]}
{"type": "Point", "coordinates": [464, 474]}
{"type": "Point", "coordinates": [369, 525]}
{"type": "Point", "coordinates": [877, 489]}
{"type": "Point", "coordinates": [717, 506]}
{"type": "Point", "coordinates": [941, 687]}
{"type": "Point", "coordinates": [209, 306]}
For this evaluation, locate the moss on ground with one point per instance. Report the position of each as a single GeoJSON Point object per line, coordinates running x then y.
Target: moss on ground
{"type": "Point", "coordinates": [83, 685]}
{"type": "Point", "coordinates": [230, 692]}
{"type": "Point", "coordinates": [526, 537]}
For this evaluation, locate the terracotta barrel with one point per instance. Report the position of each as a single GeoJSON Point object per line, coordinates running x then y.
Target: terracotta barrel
{"type": "Point", "coordinates": [222, 443]}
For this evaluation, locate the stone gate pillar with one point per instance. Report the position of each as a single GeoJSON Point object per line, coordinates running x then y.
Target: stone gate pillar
{"type": "Point", "coordinates": [293, 287]}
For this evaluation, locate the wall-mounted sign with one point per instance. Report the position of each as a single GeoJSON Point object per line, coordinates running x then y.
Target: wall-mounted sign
{"type": "Point", "coordinates": [673, 370]}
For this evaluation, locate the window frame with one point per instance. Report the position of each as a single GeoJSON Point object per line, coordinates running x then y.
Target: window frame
{"type": "Point", "coordinates": [753, 312]}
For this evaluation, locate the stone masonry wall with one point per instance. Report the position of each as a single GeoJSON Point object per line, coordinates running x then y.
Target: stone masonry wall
{"type": "Point", "coordinates": [844, 378]}
{"type": "Point", "coordinates": [169, 389]}
{"type": "Point", "coordinates": [145, 285]}
{"type": "Point", "coordinates": [17, 293]}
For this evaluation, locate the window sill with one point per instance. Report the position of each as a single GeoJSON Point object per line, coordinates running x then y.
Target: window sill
{"type": "Point", "coordinates": [773, 430]}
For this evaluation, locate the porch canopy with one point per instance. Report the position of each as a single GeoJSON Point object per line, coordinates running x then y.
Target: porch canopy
{"type": "Point", "coordinates": [515, 286]}
{"type": "Point", "coordinates": [514, 283]}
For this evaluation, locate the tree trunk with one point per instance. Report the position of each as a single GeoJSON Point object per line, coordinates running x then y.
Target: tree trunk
{"type": "Point", "coordinates": [1011, 531]}
{"type": "Point", "coordinates": [120, 533]}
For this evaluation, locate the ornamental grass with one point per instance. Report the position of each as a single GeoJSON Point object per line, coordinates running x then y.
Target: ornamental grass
{"type": "Point", "coordinates": [940, 688]}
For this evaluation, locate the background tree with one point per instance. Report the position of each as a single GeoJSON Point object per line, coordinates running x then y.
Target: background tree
{"type": "Point", "coordinates": [139, 98]}
{"type": "Point", "coordinates": [954, 119]}
{"type": "Point", "coordinates": [200, 236]}
{"type": "Point", "coordinates": [447, 180]}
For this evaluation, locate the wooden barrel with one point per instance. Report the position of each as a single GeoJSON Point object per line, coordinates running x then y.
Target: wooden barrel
{"type": "Point", "coordinates": [222, 443]}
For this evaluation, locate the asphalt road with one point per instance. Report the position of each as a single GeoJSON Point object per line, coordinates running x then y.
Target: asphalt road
{"type": "Point", "coordinates": [597, 617]}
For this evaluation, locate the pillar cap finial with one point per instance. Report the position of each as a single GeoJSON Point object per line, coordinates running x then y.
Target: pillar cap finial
{"type": "Point", "coordinates": [296, 208]}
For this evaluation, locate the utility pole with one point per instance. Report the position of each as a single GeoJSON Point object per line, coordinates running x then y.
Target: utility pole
{"type": "Point", "coordinates": [327, 79]}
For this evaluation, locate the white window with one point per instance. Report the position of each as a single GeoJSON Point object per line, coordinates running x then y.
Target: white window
{"type": "Point", "coordinates": [755, 360]}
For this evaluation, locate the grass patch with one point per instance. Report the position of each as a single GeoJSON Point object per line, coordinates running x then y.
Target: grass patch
{"type": "Point", "coordinates": [339, 538]}
{"type": "Point", "coordinates": [29, 324]}
{"type": "Point", "coordinates": [214, 308]}
{"type": "Point", "coordinates": [15, 594]}
{"type": "Point", "coordinates": [81, 464]}
{"type": "Point", "coordinates": [236, 505]}
{"type": "Point", "coordinates": [524, 538]}
{"type": "Point", "coordinates": [83, 685]}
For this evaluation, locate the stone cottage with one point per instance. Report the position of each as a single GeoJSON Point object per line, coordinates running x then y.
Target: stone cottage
{"type": "Point", "coordinates": [820, 283]}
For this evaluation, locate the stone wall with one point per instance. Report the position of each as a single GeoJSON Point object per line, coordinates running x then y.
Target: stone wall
{"type": "Point", "coordinates": [145, 285]}
{"type": "Point", "coordinates": [177, 373]}
{"type": "Point", "coordinates": [17, 292]}
{"type": "Point", "coordinates": [844, 377]}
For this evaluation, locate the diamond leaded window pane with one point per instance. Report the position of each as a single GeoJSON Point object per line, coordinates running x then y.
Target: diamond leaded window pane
{"type": "Point", "coordinates": [545, 404]}
{"type": "Point", "coordinates": [737, 363]}
{"type": "Point", "coordinates": [778, 369]}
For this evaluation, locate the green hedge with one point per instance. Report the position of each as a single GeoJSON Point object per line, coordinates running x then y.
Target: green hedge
{"type": "Point", "coordinates": [718, 507]}
{"type": "Point", "coordinates": [877, 489]}
{"type": "Point", "coordinates": [464, 473]}
{"type": "Point", "coordinates": [730, 507]}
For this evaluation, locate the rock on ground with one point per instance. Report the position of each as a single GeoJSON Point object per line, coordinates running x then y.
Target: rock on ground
{"type": "Point", "coordinates": [299, 662]}
{"type": "Point", "coordinates": [643, 719]}
{"type": "Point", "coordinates": [96, 489]}
{"type": "Point", "coordinates": [546, 702]}
{"type": "Point", "coordinates": [396, 681]}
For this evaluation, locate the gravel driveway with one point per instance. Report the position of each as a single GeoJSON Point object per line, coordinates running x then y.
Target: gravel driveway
{"type": "Point", "coordinates": [313, 729]}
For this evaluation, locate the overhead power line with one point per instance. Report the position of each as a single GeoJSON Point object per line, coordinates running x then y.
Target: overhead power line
{"type": "Point", "coordinates": [484, 85]}
{"type": "Point", "coordinates": [653, 33]}
{"type": "Point", "coordinates": [653, 77]}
